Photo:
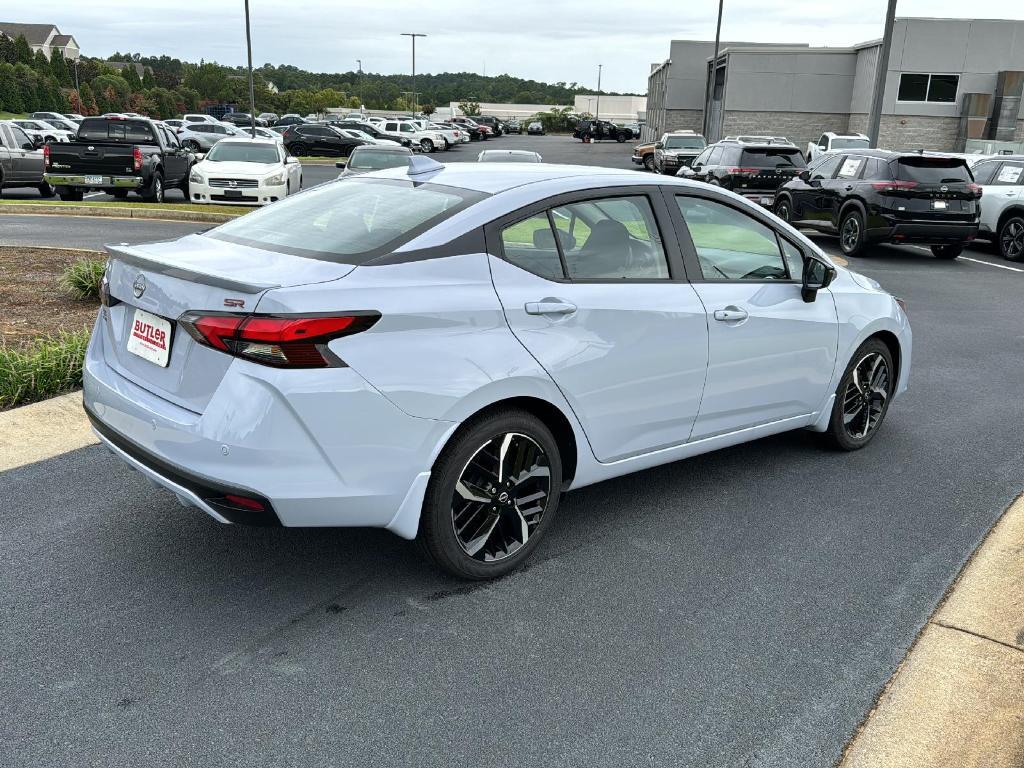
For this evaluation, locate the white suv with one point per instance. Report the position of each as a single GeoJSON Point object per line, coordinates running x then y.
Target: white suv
{"type": "Point", "coordinates": [428, 140]}
{"type": "Point", "coordinates": [1002, 203]}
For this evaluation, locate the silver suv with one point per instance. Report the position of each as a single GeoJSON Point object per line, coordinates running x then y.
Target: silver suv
{"type": "Point", "coordinates": [1002, 203]}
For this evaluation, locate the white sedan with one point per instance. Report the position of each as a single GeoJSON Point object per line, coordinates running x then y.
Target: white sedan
{"type": "Point", "coordinates": [245, 172]}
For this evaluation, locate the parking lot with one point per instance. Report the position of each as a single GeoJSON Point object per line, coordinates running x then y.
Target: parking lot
{"type": "Point", "coordinates": [740, 608]}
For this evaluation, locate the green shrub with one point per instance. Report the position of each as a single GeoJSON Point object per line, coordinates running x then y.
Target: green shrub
{"type": "Point", "coordinates": [47, 367]}
{"type": "Point", "coordinates": [82, 279]}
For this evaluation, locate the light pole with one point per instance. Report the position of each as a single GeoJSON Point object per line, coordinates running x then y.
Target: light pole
{"type": "Point", "coordinates": [252, 91]}
{"type": "Point", "coordinates": [710, 87]}
{"type": "Point", "coordinates": [881, 71]}
{"type": "Point", "coordinates": [360, 83]}
{"type": "Point", "coordinates": [597, 113]}
{"type": "Point", "coordinates": [413, 35]}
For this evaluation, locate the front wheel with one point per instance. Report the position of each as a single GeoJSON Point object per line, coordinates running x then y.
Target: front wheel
{"type": "Point", "coordinates": [427, 145]}
{"type": "Point", "coordinates": [620, 137]}
{"type": "Point", "coordinates": [191, 145]}
{"type": "Point", "coordinates": [1011, 239]}
{"type": "Point", "coordinates": [851, 233]}
{"type": "Point", "coordinates": [649, 163]}
{"type": "Point", "coordinates": [862, 399]}
{"type": "Point", "coordinates": [784, 210]}
{"type": "Point", "coordinates": [948, 252]}
{"type": "Point", "coordinates": [492, 495]}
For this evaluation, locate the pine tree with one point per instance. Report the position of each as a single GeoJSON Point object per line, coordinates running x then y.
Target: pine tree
{"type": "Point", "coordinates": [8, 53]}
{"type": "Point", "coordinates": [22, 51]}
{"type": "Point", "coordinates": [10, 93]}
{"type": "Point", "coordinates": [131, 76]}
{"type": "Point", "coordinates": [148, 80]}
{"type": "Point", "coordinates": [40, 63]}
{"type": "Point", "coordinates": [88, 100]}
{"type": "Point", "coordinates": [27, 84]}
{"type": "Point", "coordinates": [59, 68]}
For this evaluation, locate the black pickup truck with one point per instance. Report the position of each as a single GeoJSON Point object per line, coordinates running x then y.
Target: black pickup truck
{"type": "Point", "coordinates": [119, 155]}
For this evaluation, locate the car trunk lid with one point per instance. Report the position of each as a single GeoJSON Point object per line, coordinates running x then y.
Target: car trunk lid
{"type": "Point", "coordinates": [926, 187]}
{"type": "Point", "coordinates": [166, 280]}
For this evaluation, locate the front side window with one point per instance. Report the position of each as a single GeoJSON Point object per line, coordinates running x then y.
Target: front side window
{"type": "Point", "coordinates": [927, 87]}
{"type": "Point", "coordinates": [350, 221]}
{"type": "Point", "coordinates": [1009, 175]}
{"type": "Point", "coordinates": [611, 238]}
{"type": "Point", "coordinates": [731, 245]}
{"type": "Point", "coordinates": [826, 169]}
{"type": "Point", "coordinates": [21, 138]}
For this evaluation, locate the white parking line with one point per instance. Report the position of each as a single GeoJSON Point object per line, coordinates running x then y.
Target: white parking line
{"type": "Point", "coordinates": [990, 264]}
{"type": "Point", "coordinates": [94, 194]}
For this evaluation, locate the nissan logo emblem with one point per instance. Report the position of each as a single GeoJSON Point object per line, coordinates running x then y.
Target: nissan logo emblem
{"type": "Point", "coordinates": [503, 498]}
{"type": "Point", "coordinates": [139, 286]}
{"type": "Point", "coordinates": [943, 188]}
{"type": "Point", "coordinates": [233, 183]}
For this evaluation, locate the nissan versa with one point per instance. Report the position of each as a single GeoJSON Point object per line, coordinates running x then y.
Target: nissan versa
{"type": "Point", "coordinates": [442, 351]}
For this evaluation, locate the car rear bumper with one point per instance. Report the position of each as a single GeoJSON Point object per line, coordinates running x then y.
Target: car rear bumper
{"type": "Point", "coordinates": [317, 447]}
{"type": "Point", "coordinates": [77, 180]}
{"type": "Point", "coordinates": [924, 232]}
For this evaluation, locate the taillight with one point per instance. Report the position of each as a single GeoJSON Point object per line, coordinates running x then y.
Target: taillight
{"type": "Point", "coordinates": [136, 158]}
{"type": "Point", "coordinates": [974, 188]}
{"type": "Point", "coordinates": [893, 186]}
{"type": "Point", "coordinates": [105, 298]}
{"type": "Point", "coordinates": [742, 170]}
{"type": "Point", "coordinates": [283, 341]}
{"type": "Point", "coordinates": [46, 155]}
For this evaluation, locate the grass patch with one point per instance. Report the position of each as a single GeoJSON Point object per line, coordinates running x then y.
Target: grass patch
{"type": "Point", "coordinates": [323, 160]}
{"type": "Point", "coordinates": [13, 115]}
{"type": "Point", "coordinates": [234, 210]}
{"type": "Point", "coordinates": [49, 366]}
{"type": "Point", "coordinates": [82, 279]}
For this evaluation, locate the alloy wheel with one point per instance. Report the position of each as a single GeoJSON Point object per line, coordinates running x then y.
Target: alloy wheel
{"type": "Point", "coordinates": [782, 210]}
{"type": "Point", "coordinates": [1011, 240]}
{"type": "Point", "coordinates": [500, 497]}
{"type": "Point", "coordinates": [850, 235]}
{"type": "Point", "coordinates": [865, 397]}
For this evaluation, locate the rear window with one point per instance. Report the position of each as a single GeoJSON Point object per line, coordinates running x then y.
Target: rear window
{"type": "Point", "coordinates": [772, 157]}
{"type": "Point", "coordinates": [128, 131]}
{"type": "Point", "coordinates": [351, 221]}
{"type": "Point", "coordinates": [933, 170]}
{"type": "Point", "coordinates": [685, 142]}
{"type": "Point", "coordinates": [839, 143]}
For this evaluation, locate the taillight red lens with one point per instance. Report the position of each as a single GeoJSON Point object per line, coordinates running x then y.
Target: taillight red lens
{"type": "Point", "coordinates": [284, 341]}
{"type": "Point", "coordinates": [137, 159]}
{"type": "Point", "coordinates": [975, 188]}
{"type": "Point", "coordinates": [743, 170]}
{"type": "Point", "coordinates": [893, 186]}
{"type": "Point", "coordinates": [46, 155]}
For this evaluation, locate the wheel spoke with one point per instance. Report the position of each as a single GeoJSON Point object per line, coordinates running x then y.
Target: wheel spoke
{"type": "Point", "coordinates": [469, 495]}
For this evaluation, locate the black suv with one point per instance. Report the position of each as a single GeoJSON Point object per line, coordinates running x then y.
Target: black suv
{"type": "Point", "coordinates": [597, 130]}
{"type": "Point", "coordinates": [876, 196]}
{"type": "Point", "coordinates": [318, 139]}
{"type": "Point", "coordinates": [242, 119]}
{"type": "Point", "coordinates": [752, 167]}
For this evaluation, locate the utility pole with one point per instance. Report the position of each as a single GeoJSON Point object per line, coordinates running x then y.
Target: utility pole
{"type": "Point", "coordinates": [77, 89]}
{"type": "Point", "coordinates": [597, 113]}
{"type": "Point", "coordinates": [252, 90]}
{"type": "Point", "coordinates": [413, 35]}
{"type": "Point", "coordinates": [710, 87]}
{"type": "Point", "coordinates": [881, 73]}
{"type": "Point", "coordinates": [360, 86]}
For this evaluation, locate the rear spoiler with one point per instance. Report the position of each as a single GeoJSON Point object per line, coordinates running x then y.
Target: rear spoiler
{"type": "Point", "coordinates": [128, 255]}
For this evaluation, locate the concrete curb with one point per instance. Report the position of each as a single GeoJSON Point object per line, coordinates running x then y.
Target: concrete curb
{"type": "Point", "coordinates": [957, 699]}
{"type": "Point", "coordinates": [42, 430]}
{"type": "Point", "coordinates": [125, 212]}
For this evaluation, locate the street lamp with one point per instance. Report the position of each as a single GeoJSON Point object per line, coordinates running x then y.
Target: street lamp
{"type": "Point", "coordinates": [709, 88]}
{"type": "Point", "coordinates": [412, 35]}
{"type": "Point", "coordinates": [881, 71]}
{"type": "Point", "coordinates": [597, 112]}
{"type": "Point", "coordinates": [252, 91]}
{"type": "Point", "coordinates": [360, 83]}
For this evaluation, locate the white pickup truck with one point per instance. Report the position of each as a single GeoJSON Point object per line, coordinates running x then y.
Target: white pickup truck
{"type": "Point", "coordinates": [833, 142]}
{"type": "Point", "coordinates": [427, 140]}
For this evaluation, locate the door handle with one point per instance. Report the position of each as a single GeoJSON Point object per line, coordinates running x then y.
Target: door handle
{"type": "Point", "coordinates": [731, 314]}
{"type": "Point", "coordinates": [549, 307]}
{"type": "Point", "coordinates": [848, 187]}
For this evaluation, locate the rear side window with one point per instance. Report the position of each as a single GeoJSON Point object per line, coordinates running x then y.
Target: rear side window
{"type": "Point", "coordinates": [983, 172]}
{"type": "Point", "coordinates": [351, 221]}
{"type": "Point", "coordinates": [933, 170]}
{"type": "Point", "coordinates": [127, 131]}
{"type": "Point", "coordinates": [850, 168]}
{"type": "Point", "coordinates": [772, 158]}
{"type": "Point", "coordinates": [530, 244]}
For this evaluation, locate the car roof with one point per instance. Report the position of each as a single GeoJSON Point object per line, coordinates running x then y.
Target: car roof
{"type": "Point", "coordinates": [494, 178]}
{"type": "Point", "coordinates": [835, 135]}
{"type": "Point", "coordinates": [383, 148]}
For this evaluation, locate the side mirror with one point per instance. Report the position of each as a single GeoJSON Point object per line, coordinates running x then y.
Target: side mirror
{"type": "Point", "coordinates": [290, 160]}
{"type": "Point", "coordinates": [29, 145]}
{"type": "Point", "coordinates": [37, 142]}
{"type": "Point", "coordinates": [339, 165]}
{"type": "Point", "coordinates": [659, 145]}
{"type": "Point", "coordinates": [805, 175]}
{"type": "Point", "coordinates": [817, 275]}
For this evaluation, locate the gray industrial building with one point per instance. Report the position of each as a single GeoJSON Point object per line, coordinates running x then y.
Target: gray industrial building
{"type": "Point", "coordinates": [948, 80]}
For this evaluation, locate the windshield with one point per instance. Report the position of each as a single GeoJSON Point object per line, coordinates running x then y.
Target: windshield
{"type": "Point", "coordinates": [850, 143]}
{"type": "Point", "coordinates": [237, 152]}
{"type": "Point", "coordinates": [119, 130]}
{"type": "Point", "coordinates": [366, 160]}
{"type": "Point", "coordinates": [685, 142]}
{"type": "Point", "coordinates": [933, 170]}
{"type": "Point", "coordinates": [788, 157]}
{"type": "Point", "coordinates": [350, 221]}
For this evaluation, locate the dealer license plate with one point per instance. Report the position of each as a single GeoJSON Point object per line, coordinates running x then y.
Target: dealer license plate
{"type": "Point", "coordinates": [150, 338]}
{"type": "Point", "coordinates": [93, 179]}
{"type": "Point", "coordinates": [939, 205]}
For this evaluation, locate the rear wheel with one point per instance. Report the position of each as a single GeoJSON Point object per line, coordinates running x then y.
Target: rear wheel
{"type": "Point", "coordinates": [783, 209]}
{"type": "Point", "coordinates": [620, 137]}
{"type": "Point", "coordinates": [862, 399]}
{"type": "Point", "coordinates": [1011, 239]}
{"type": "Point", "coordinates": [492, 495]}
{"type": "Point", "coordinates": [851, 233]}
{"type": "Point", "coordinates": [46, 189]}
{"type": "Point", "coordinates": [947, 251]}
{"type": "Point", "coordinates": [298, 149]}
{"type": "Point", "coordinates": [155, 193]}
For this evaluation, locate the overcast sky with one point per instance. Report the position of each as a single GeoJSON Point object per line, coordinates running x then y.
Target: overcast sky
{"type": "Point", "coordinates": [547, 40]}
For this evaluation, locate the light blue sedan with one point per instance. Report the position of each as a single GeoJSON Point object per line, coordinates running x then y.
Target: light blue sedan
{"type": "Point", "coordinates": [441, 351]}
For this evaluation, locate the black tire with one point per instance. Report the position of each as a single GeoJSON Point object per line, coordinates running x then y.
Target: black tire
{"type": "Point", "coordinates": [784, 209]}
{"type": "Point", "coordinates": [427, 145]}
{"type": "Point", "coordinates": [851, 233]}
{"type": "Point", "coordinates": [119, 194]}
{"type": "Point", "coordinates": [620, 137]}
{"type": "Point", "coordinates": [46, 189]}
{"type": "Point", "coordinates": [843, 431]}
{"type": "Point", "coordinates": [947, 252]}
{"type": "Point", "coordinates": [72, 196]}
{"type": "Point", "coordinates": [649, 162]}
{"type": "Point", "coordinates": [1011, 239]}
{"type": "Point", "coordinates": [298, 149]}
{"type": "Point", "coordinates": [155, 192]}
{"type": "Point", "coordinates": [191, 145]}
{"type": "Point", "coordinates": [529, 441]}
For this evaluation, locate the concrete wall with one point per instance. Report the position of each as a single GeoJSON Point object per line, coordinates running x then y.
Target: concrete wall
{"type": "Point", "coordinates": [911, 131]}
{"type": "Point", "coordinates": [797, 81]}
{"type": "Point", "coordinates": [798, 127]}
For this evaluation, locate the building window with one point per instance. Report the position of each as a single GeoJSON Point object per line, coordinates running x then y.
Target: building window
{"type": "Point", "coordinates": [923, 87]}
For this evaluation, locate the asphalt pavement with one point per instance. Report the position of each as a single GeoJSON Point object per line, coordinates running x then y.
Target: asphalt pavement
{"type": "Point", "coordinates": [742, 608]}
